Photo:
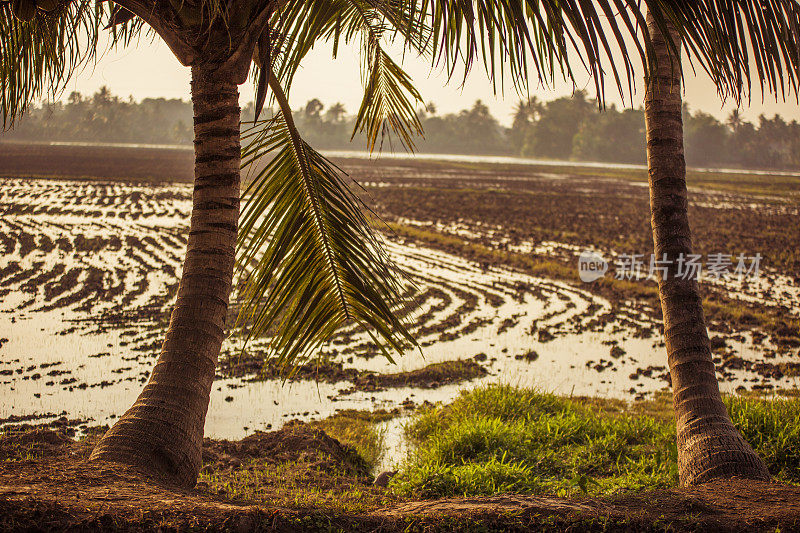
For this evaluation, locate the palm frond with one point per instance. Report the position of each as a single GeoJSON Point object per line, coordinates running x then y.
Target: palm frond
{"type": "Point", "coordinates": [724, 36]}
{"type": "Point", "coordinates": [388, 105]}
{"type": "Point", "coordinates": [509, 35]}
{"type": "Point", "coordinates": [308, 256]}
{"type": "Point", "coordinates": [38, 57]}
{"type": "Point", "coordinates": [389, 100]}
{"type": "Point", "coordinates": [727, 36]}
{"type": "Point", "coordinates": [299, 26]}
{"type": "Point", "coordinates": [39, 52]}
{"type": "Point", "coordinates": [390, 97]}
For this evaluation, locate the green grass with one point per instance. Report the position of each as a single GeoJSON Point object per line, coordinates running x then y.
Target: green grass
{"type": "Point", "coordinates": [297, 484]}
{"type": "Point", "coordinates": [358, 429]}
{"type": "Point", "coordinates": [312, 480]}
{"type": "Point", "coordinates": [506, 439]}
{"type": "Point", "coordinates": [772, 427]}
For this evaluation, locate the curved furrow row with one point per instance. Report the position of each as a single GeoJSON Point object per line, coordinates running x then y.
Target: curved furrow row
{"type": "Point", "coordinates": [73, 245]}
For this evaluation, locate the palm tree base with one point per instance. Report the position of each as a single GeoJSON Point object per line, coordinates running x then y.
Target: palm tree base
{"type": "Point", "coordinates": [718, 454]}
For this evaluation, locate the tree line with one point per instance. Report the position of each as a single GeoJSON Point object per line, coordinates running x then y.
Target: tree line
{"type": "Point", "coordinates": [571, 128]}
{"type": "Point", "coordinates": [105, 117]}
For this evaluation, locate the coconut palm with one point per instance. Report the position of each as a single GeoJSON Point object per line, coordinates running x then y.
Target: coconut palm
{"type": "Point", "coordinates": [526, 113]}
{"type": "Point", "coordinates": [709, 446]}
{"type": "Point", "coordinates": [308, 257]}
{"type": "Point", "coordinates": [734, 120]}
{"type": "Point", "coordinates": [336, 113]}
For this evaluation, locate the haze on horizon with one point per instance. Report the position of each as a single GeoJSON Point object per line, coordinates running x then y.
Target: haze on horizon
{"type": "Point", "coordinates": [148, 69]}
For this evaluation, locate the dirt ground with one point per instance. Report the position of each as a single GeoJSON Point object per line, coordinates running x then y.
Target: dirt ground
{"type": "Point", "coordinates": [46, 483]}
{"type": "Point", "coordinates": [127, 163]}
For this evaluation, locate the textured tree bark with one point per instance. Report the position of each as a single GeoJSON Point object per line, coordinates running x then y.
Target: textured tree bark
{"type": "Point", "coordinates": [163, 431]}
{"type": "Point", "coordinates": [709, 446]}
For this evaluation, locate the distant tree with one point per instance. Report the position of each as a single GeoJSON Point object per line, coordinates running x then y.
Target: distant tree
{"type": "Point", "coordinates": [612, 136]}
{"type": "Point", "coordinates": [526, 114]}
{"type": "Point", "coordinates": [470, 131]}
{"type": "Point", "coordinates": [441, 135]}
{"type": "Point", "coordinates": [105, 117]}
{"type": "Point", "coordinates": [336, 113]}
{"type": "Point", "coordinates": [778, 140]}
{"type": "Point", "coordinates": [744, 148]}
{"type": "Point", "coordinates": [734, 120]}
{"type": "Point", "coordinates": [182, 132]}
{"type": "Point", "coordinates": [559, 121]}
{"type": "Point", "coordinates": [480, 131]}
{"type": "Point", "coordinates": [312, 112]}
{"type": "Point", "coordinates": [706, 139]}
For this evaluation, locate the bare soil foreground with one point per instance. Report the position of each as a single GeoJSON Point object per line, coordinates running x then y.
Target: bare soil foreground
{"type": "Point", "coordinates": [47, 484]}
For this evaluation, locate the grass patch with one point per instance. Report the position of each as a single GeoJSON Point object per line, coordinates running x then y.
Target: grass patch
{"type": "Point", "coordinates": [359, 430]}
{"type": "Point", "coordinates": [297, 484]}
{"type": "Point", "coordinates": [501, 438]}
{"type": "Point", "coordinates": [431, 376]}
{"type": "Point", "coordinates": [324, 465]}
{"type": "Point", "coordinates": [772, 427]}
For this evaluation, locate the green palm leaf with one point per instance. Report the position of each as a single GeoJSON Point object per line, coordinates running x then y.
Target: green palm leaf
{"type": "Point", "coordinates": [38, 57]}
{"type": "Point", "coordinates": [299, 26]}
{"type": "Point", "coordinates": [308, 256]}
{"type": "Point", "coordinates": [555, 35]}
{"type": "Point", "coordinates": [508, 34]}
{"type": "Point", "coordinates": [727, 36]}
{"type": "Point", "coordinates": [389, 97]}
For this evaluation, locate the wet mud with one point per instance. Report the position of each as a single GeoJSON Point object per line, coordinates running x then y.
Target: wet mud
{"type": "Point", "coordinates": [88, 271]}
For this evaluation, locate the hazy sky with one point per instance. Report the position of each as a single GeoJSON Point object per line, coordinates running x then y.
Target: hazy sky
{"type": "Point", "coordinates": [150, 70]}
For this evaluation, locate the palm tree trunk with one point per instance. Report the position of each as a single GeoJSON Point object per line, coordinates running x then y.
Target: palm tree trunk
{"type": "Point", "coordinates": [709, 446]}
{"type": "Point", "coordinates": [163, 431]}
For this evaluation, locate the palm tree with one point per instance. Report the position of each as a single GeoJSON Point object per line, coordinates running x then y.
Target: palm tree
{"type": "Point", "coordinates": [308, 257]}
{"type": "Point", "coordinates": [312, 262]}
{"type": "Point", "coordinates": [709, 446]}
{"type": "Point", "coordinates": [734, 120]}
{"type": "Point", "coordinates": [526, 113]}
{"type": "Point", "coordinates": [336, 113]}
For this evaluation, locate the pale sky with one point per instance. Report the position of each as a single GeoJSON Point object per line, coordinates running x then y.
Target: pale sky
{"type": "Point", "coordinates": [150, 70]}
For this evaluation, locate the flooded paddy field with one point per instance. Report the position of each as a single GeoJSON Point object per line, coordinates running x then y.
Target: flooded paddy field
{"type": "Point", "coordinates": [89, 268]}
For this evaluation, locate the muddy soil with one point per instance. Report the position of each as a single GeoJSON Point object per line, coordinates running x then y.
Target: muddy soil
{"type": "Point", "coordinates": [53, 487]}
{"type": "Point", "coordinates": [89, 269]}
{"type": "Point", "coordinates": [135, 164]}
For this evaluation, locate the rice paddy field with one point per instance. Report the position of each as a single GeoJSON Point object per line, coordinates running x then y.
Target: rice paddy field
{"type": "Point", "coordinates": [90, 257]}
